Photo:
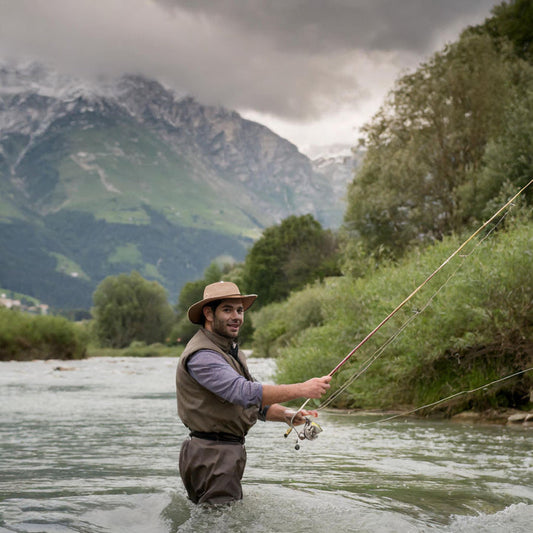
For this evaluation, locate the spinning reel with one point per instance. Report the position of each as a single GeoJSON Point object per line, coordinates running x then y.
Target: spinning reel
{"type": "Point", "coordinates": [310, 431]}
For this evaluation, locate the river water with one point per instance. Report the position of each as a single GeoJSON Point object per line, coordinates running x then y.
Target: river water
{"type": "Point", "coordinates": [92, 447]}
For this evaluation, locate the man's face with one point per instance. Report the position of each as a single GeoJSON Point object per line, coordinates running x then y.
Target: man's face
{"type": "Point", "coordinates": [227, 318]}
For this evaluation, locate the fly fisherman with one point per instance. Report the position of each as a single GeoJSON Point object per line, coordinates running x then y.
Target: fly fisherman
{"type": "Point", "coordinates": [219, 401]}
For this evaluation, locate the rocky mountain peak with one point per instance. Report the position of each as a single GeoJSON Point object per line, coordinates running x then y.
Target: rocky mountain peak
{"type": "Point", "coordinates": [144, 177]}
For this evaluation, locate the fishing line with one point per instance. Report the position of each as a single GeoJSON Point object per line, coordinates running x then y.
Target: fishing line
{"type": "Point", "coordinates": [377, 353]}
{"type": "Point", "coordinates": [432, 404]}
{"type": "Point", "coordinates": [366, 365]}
{"type": "Point", "coordinates": [404, 302]}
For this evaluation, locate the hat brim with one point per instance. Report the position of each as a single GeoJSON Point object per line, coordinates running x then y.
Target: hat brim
{"type": "Point", "coordinates": [195, 311]}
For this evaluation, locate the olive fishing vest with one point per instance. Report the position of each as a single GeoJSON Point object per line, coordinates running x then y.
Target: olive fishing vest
{"type": "Point", "coordinates": [199, 408]}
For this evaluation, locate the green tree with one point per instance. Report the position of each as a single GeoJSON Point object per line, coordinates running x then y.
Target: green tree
{"type": "Point", "coordinates": [287, 257]}
{"type": "Point", "coordinates": [427, 139]}
{"type": "Point", "coordinates": [193, 291]}
{"type": "Point", "coordinates": [507, 163]}
{"type": "Point", "coordinates": [129, 308]}
{"type": "Point", "coordinates": [512, 21]}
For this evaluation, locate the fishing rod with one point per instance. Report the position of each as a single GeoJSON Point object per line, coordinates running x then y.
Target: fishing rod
{"type": "Point", "coordinates": [302, 434]}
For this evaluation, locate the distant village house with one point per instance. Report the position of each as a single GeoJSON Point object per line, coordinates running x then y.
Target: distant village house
{"type": "Point", "coordinates": [9, 303]}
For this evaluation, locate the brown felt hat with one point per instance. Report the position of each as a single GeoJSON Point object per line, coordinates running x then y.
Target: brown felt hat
{"type": "Point", "coordinates": [221, 290]}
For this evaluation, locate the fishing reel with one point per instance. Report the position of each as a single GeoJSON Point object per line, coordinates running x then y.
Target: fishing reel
{"type": "Point", "coordinates": [310, 431]}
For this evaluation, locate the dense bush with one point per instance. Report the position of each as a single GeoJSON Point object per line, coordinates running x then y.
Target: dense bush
{"type": "Point", "coordinates": [25, 336]}
{"type": "Point", "coordinates": [471, 324]}
{"type": "Point", "coordinates": [276, 324]}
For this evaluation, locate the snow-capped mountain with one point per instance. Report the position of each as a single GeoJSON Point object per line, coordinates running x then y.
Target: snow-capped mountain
{"type": "Point", "coordinates": [128, 157]}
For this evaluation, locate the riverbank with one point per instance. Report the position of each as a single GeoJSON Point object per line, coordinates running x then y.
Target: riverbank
{"type": "Point", "coordinates": [136, 349]}
{"type": "Point", "coordinates": [510, 417]}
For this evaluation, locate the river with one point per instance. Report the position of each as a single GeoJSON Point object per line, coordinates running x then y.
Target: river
{"type": "Point", "coordinates": [92, 446]}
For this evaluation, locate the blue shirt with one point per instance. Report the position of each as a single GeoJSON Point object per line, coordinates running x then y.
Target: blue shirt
{"type": "Point", "coordinates": [212, 371]}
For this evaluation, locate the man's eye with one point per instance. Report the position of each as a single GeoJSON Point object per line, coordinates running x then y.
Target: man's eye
{"type": "Point", "coordinates": [239, 310]}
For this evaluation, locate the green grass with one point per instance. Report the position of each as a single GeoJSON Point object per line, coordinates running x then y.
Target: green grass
{"type": "Point", "coordinates": [20, 296]}
{"type": "Point", "coordinates": [151, 271]}
{"type": "Point", "coordinates": [126, 253]}
{"type": "Point", "coordinates": [8, 210]}
{"type": "Point", "coordinates": [136, 349]}
{"type": "Point", "coordinates": [68, 266]}
{"type": "Point", "coordinates": [115, 179]}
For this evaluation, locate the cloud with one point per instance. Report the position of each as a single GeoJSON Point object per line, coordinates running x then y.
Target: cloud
{"type": "Point", "coordinates": [318, 26]}
{"type": "Point", "coordinates": [287, 61]}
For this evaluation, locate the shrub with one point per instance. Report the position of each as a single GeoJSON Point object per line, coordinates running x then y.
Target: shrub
{"type": "Point", "coordinates": [24, 337]}
{"type": "Point", "coordinates": [129, 308]}
{"type": "Point", "coordinates": [457, 333]}
{"type": "Point", "coordinates": [277, 324]}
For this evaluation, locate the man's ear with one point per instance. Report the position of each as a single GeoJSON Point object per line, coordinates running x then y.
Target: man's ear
{"type": "Point", "coordinates": [208, 313]}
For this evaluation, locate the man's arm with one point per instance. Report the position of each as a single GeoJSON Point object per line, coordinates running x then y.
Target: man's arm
{"type": "Point", "coordinates": [312, 388]}
{"type": "Point", "coordinates": [213, 372]}
{"type": "Point", "coordinates": [280, 413]}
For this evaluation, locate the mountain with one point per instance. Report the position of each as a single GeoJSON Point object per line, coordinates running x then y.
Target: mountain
{"type": "Point", "coordinates": [102, 178]}
{"type": "Point", "coordinates": [339, 169]}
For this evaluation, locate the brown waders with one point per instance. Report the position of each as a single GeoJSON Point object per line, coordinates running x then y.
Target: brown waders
{"type": "Point", "coordinates": [212, 470]}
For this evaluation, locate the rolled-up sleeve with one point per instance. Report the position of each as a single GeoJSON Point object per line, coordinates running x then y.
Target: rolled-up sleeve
{"type": "Point", "coordinates": [214, 373]}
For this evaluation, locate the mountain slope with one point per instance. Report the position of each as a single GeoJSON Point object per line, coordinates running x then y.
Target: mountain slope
{"type": "Point", "coordinates": [97, 180]}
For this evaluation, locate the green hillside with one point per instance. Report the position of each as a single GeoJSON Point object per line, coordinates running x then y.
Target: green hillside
{"type": "Point", "coordinates": [95, 186]}
{"type": "Point", "coordinates": [111, 168]}
{"type": "Point", "coordinates": [95, 248]}
{"type": "Point", "coordinates": [100, 199]}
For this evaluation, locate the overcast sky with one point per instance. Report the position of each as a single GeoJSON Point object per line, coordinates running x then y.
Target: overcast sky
{"type": "Point", "coordinates": [312, 70]}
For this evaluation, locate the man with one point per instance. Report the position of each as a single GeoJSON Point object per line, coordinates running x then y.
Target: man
{"type": "Point", "coordinates": [219, 401]}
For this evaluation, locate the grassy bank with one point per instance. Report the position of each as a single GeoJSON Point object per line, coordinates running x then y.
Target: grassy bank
{"type": "Point", "coordinates": [471, 325]}
{"type": "Point", "coordinates": [26, 337]}
{"type": "Point", "coordinates": [136, 349]}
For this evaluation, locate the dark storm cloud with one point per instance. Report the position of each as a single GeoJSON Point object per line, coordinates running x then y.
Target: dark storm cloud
{"type": "Point", "coordinates": [326, 26]}
{"type": "Point", "coordinates": [288, 59]}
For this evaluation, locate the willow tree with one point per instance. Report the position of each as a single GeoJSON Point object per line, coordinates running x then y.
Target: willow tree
{"type": "Point", "coordinates": [426, 140]}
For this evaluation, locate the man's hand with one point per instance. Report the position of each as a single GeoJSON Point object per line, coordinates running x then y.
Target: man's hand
{"type": "Point", "coordinates": [316, 387]}
{"type": "Point", "coordinates": [297, 418]}
{"type": "Point", "coordinates": [280, 413]}
{"type": "Point", "coordinates": [312, 388]}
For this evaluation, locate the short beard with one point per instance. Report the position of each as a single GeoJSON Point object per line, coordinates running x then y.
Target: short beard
{"type": "Point", "coordinates": [219, 327]}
